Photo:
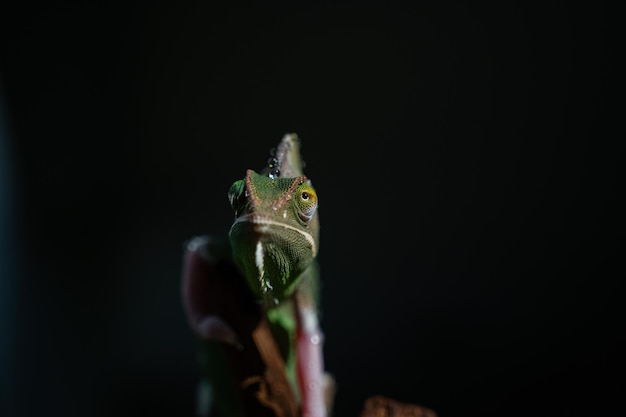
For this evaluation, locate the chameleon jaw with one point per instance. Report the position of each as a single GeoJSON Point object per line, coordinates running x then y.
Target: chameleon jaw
{"type": "Point", "coordinates": [270, 255]}
{"type": "Point", "coordinates": [263, 224]}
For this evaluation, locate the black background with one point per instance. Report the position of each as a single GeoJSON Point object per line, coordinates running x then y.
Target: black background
{"type": "Point", "coordinates": [466, 158]}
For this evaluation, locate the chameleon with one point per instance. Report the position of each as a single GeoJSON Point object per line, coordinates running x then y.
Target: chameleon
{"type": "Point", "coordinates": [252, 298]}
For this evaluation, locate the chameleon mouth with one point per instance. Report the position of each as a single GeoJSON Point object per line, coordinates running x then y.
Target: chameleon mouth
{"type": "Point", "coordinates": [264, 225]}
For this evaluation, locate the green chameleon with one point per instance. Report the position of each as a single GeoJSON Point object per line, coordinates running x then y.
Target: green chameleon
{"type": "Point", "coordinates": [252, 298]}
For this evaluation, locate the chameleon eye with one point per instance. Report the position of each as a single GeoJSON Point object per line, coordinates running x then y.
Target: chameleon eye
{"type": "Point", "coordinates": [307, 203]}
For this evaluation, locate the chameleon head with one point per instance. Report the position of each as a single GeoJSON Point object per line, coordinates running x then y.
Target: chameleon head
{"type": "Point", "coordinates": [275, 234]}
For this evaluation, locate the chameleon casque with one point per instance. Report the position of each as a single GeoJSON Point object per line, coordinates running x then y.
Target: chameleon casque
{"type": "Point", "coordinates": [252, 298]}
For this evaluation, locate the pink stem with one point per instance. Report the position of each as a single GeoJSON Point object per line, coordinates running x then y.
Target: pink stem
{"type": "Point", "coordinates": [310, 363]}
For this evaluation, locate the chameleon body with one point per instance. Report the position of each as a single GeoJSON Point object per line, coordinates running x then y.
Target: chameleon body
{"type": "Point", "coordinates": [252, 298]}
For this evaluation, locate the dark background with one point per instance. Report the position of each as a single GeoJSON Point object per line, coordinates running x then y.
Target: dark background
{"type": "Point", "coordinates": [466, 158]}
